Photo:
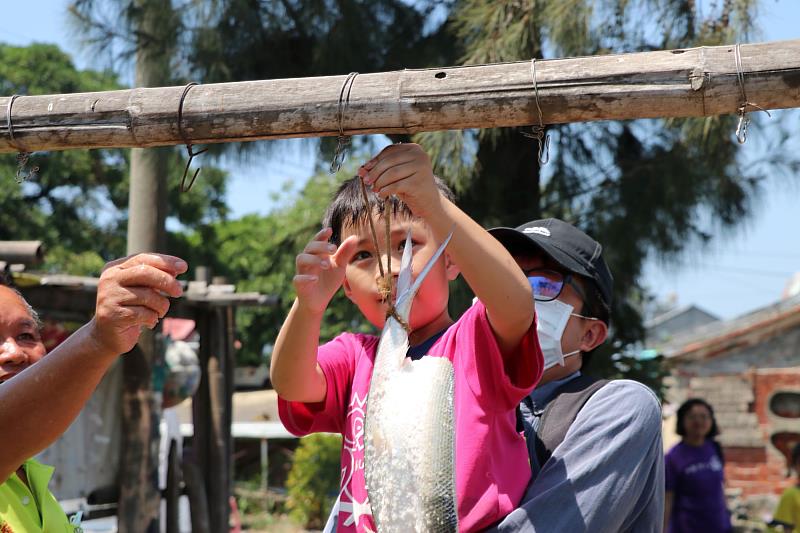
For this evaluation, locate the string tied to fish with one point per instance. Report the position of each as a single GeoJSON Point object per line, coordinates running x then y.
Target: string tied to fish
{"type": "Point", "coordinates": [386, 279]}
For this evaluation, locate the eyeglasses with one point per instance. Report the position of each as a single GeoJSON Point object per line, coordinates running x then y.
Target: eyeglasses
{"type": "Point", "coordinates": [548, 284]}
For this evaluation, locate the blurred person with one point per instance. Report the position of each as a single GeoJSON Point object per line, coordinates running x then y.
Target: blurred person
{"type": "Point", "coordinates": [594, 446]}
{"type": "Point", "coordinates": [695, 496]}
{"type": "Point", "coordinates": [787, 515]}
{"type": "Point", "coordinates": [40, 396]}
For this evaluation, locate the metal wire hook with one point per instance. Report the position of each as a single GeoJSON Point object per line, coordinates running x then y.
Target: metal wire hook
{"type": "Point", "coordinates": [192, 154]}
{"type": "Point", "coordinates": [537, 132]}
{"type": "Point", "coordinates": [23, 156]}
{"type": "Point", "coordinates": [744, 121]}
{"type": "Point", "coordinates": [342, 141]}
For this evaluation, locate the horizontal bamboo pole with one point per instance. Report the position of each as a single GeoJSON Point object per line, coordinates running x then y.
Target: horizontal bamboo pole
{"type": "Point", "coordinates": [673, 83]}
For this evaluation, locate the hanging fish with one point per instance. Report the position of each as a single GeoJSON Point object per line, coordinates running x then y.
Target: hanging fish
{"type": "Point", "coordinates": [409, 430]}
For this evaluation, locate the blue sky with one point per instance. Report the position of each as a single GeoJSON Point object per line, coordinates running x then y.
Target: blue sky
{"type": "Point", "coordinates": [737, 273]}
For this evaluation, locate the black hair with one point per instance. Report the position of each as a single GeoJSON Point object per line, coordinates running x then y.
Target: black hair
{"type": "Point", "coordinates": [347, 206]}
{"type": "Point", "coordinates": [683, 410]}
{"type": "Point", "coordinates": [594, 305]}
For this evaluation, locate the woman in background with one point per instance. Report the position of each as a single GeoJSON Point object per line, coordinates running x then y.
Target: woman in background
{"type": "Point", "coordinates": [695, 497]}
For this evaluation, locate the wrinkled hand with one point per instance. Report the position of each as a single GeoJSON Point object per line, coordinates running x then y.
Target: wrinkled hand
{"type": "Point", "coordinates": [320, 270]}
{"type": "Point", "coordinates": [133, 293]}
{"type": "Point", "coordinates": [403, 170]}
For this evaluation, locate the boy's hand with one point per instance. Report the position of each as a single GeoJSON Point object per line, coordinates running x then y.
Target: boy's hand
{"type": "Point", "coordinates": [320, 270]}
{"type": "Point", "coordinates": [403, 170]}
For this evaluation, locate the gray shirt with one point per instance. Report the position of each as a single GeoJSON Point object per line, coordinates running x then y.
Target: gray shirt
{"type": "Point", "coordinates": [608, 473]}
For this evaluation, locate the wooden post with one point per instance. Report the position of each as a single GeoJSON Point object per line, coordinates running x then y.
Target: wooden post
{"type": "Point", "coordinates": [196, 490]}
{"type": "Point", "coordinates": [139, 503]}
{"type": "Point", "coordinates": [212, 413]}
{"type": "Point", "coordinates": [672, 83]}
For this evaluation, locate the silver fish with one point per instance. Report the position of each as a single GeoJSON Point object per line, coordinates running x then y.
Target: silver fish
{"type": "Point", "coordinates": [409, 432]}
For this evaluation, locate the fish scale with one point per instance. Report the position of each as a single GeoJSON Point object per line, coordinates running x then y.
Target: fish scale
{"type": "Point", "coordinates": [410, 426]}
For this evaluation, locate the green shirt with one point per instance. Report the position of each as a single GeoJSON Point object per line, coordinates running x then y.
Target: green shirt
{"type": "Point", "coordinates": [788, 511]}
{"type": "Point", "coordinates": [34, 509]}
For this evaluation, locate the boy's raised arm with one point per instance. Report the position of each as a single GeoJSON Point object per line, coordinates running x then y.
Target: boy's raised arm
{"type": "Point", "coordinates": [294, 371]}
{"type": "Point", "coordinates": [405, 170]}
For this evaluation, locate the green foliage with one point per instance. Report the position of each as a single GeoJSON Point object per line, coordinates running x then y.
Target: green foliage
{"type": "Point", "coordinates": [77, 204]}
{"type": "Point", "coordinates": [314, 479]}
{"type": "Point", "coordinates": [74, 203]}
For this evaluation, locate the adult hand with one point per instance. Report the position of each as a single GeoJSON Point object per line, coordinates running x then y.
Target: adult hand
{"type": "Point", "coordinates": [133, 293]}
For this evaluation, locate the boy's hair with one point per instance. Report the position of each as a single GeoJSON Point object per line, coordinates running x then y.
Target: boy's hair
{"type": "Point", "coordinates": [347, 206]}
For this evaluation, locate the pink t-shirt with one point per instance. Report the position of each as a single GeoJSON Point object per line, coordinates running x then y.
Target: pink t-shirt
{"type": "Point", "coordinates": [492, 468]}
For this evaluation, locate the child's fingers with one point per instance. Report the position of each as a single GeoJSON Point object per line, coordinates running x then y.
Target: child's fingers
{"type": "Point", "coordinates": [319, 248]}
{"type": "Point", "coordinates": [394, 175]}
{"type": "Point", "coordinates": [385, 164]}
{"type": "Point", "coordinates": [311, 264]}
{"type": "Point", "coordinates": [345, 252]}
{"type": "Point", "coordinates": [387, 150]}
{"type": "Point", "coordinates": [304, 279]}
{"type": "Point", "coordinates": [304, 282]}
{"type": "Point", "coordinates": [322, 235]}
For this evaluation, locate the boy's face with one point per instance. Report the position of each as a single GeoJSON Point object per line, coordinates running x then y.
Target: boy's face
{"type": "Point", "coordinates": [362, 273]}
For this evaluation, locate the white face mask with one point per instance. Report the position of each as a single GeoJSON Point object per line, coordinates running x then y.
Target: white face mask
{"type": "Point", "coordinates": [551, 320]}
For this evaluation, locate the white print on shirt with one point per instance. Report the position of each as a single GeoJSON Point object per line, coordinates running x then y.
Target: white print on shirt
{"type": "Point", "coordinates": [349, 507]}
{"type": "Point", "coordinates": [714, 464]}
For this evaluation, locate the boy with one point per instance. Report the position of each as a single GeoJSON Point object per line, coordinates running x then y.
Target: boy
{"type": "Point", "coordinates": [493, 347]}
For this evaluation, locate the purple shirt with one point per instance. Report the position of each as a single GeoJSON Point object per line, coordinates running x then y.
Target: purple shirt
{"type": "Point", "coordinates": [695, 476]}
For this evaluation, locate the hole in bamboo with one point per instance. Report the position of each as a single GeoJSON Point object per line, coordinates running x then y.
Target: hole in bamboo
{"type": "Point", "coordinates": [441, 75]}
{"type": "Point", "coordinates": [678, 51]}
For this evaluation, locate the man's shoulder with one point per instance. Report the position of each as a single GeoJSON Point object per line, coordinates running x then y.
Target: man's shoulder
{"type": "Point", "coordinates": [625, 399]}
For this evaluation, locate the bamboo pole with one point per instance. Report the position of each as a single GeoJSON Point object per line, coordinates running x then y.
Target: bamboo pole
{"type": "Point", "coordinates": [672, 83]}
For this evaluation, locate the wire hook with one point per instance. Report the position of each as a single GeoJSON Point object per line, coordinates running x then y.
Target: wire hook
{"type": "Point", "coordinates": [537, 132]}
{"type": "Point", "coordinates": [192, 154]}
{"type": "Point", "coordinates": [744, 121]}
{"type": "Point", "coordinates": [23, 156]}
{"type": "Point", "coordinates": [342, 140]}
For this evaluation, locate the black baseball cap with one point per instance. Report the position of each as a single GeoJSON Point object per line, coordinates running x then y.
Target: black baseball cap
{"type": "Point", "coordinates": [565, 244]}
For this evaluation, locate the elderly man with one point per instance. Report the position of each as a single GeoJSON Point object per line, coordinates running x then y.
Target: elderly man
{"type": "Point", "coordinates": [37, 404]}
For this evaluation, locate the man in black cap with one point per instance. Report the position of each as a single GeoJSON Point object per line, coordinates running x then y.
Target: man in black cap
{"type": "Point", "coordinates": [594, 445]}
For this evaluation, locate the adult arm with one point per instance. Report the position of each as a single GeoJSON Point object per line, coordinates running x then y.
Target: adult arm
{"type": "Point", "coordinates": [608, 473]}
{"type": "Point", "coordinates": [38, 404]}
